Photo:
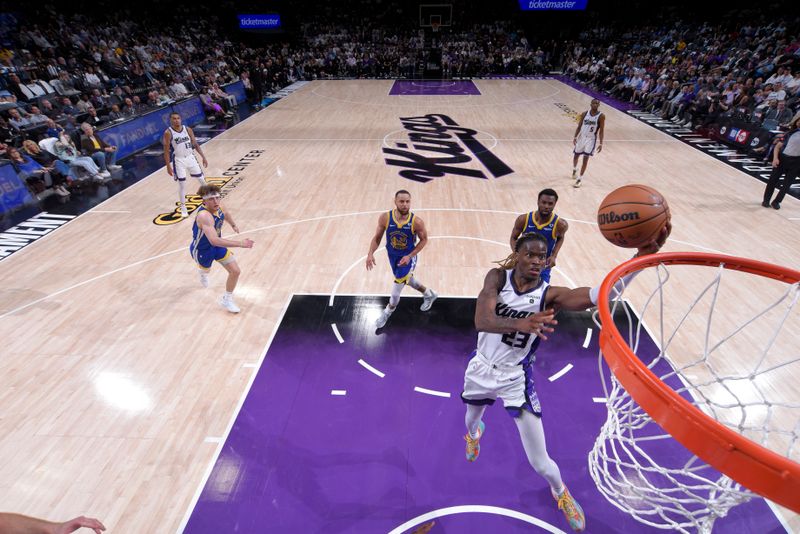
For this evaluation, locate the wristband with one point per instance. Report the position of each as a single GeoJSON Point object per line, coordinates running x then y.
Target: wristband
{"type": "Point", "coordinates": [617, 290]}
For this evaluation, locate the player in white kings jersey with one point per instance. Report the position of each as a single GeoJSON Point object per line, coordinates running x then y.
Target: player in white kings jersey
{"type": "Point", "coordinates": [179, 146]}
{"type": "Point", "coordinates": [514, 312]}
{"type": "Point", "coordinates": [591, 125]}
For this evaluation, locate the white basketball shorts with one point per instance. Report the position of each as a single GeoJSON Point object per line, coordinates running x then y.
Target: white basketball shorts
{"type": "Point", "coordinates": [586, 145]}
{"type": "Point", "coordinates": [485, 382]}
{"type": "Point", "coordinates": [187, 166]}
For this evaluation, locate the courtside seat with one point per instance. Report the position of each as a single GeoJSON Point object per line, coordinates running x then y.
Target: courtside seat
{"type": "Point", "coordinates": [49, 144]}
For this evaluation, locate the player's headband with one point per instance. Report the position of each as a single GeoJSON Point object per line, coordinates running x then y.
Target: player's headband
{"type": "Point", "coordinates": [210, 195]}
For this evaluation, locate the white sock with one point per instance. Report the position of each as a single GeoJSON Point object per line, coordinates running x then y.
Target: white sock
{"type": "Point", "coordinates": [181, 192]}
{"type": "Point", "coordinates": [394, 300]}
{"type": "Point", "coordinates": [428, 292]}
{"type": "Point", "coordinates": [412, 282]}
{"type": "Point", "coordinates": [228, 294]}
{"type": "Point", "coordinates": [473, 418]}
{"type": "Point", "coordinates": [532, 433]}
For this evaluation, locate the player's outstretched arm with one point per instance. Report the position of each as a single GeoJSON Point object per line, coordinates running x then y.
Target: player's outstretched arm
{"type": "Point", "coordinates": [21, 524]}
{"type": "Point", "coordinates": [383, 221]}
{"type": "Point", "coordinates": [206, 224]}
{"type": "Point", "coordinates": [582, 298]}
{"type": "Point", "coordinates": [79, 522]}
{"type": "Point", "coordinates": [486, 320]}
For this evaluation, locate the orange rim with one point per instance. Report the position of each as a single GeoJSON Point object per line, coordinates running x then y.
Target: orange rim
{"type": "Point", "coordinates": [755, 467]}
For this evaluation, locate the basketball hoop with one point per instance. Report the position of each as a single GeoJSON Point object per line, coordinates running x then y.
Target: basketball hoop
{"type": "Point", "coordinates": [435, 27]}
{"type": "Point", "coordinates": [718, 399]}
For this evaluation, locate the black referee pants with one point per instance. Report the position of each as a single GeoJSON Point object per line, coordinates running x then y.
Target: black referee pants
{"type": "Point", "coordinates": [788, 165]}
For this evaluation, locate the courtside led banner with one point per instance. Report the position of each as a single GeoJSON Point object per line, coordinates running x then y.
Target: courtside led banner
{"type": "Point", "coordinates": [269, 21]}
{"type": "Point", "coordinates": [558, 5]}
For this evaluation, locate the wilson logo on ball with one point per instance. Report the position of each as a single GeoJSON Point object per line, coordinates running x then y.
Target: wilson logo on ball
{"type": "Point", "coordinates": [633, 215]}
{"type": "Point", "coordinates": [612, 217]}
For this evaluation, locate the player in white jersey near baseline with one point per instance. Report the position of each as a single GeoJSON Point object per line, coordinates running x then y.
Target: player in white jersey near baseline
{"type": "Point", "coordinates": [179, 146]}
{"type": "Point", "coordinates": [515, 310]}
{"type": "Point", "coordinates": [591, 125]}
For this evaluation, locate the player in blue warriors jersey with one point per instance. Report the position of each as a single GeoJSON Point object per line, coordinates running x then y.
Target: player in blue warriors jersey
{"type": "Point", "coordinates": [515, 310]}
{"type": "Point", "coordinates": [209, 246]}
{"type": "Point", "coordinates": [543, 221]}
{"type": "Point", "coordinates": [405, 237]}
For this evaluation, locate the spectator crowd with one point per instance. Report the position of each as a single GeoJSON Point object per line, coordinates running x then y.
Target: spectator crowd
{"type": "Point", "coordinates": [64, 75]}
{"type": "Point", "coordinates": [697, 73]}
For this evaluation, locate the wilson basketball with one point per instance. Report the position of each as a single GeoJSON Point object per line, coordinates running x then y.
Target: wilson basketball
{"type": "Point", "coordinates": [632, 215]}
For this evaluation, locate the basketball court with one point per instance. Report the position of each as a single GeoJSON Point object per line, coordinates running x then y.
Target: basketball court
{"type": "Point", "coordinates": [132, 395]}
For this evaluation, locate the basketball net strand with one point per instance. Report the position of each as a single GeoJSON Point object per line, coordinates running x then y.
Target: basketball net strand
{"type": "Point", "coordinates": [641, 469]}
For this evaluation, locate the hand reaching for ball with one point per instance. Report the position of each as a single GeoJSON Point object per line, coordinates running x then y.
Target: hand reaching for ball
{"type": "Point", "coordinates": [655, 246]}
{"type": "Point", "coordinates": [634, 216]}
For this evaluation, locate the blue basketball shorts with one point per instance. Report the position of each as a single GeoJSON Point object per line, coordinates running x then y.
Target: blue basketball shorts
{"type": "Point", "coordinates": [205, 257]}
{"type": "Point", "coordinates": [402, 272]}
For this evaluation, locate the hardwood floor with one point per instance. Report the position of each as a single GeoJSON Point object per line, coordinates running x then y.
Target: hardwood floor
{"type": "Point", "coordinates": [120, 373]}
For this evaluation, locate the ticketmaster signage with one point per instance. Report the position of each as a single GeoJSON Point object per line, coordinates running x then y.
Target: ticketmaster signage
{"type": "Point", "coordinates": [270, 21]}
{"type": "Point", "coordinates": [559, 5]}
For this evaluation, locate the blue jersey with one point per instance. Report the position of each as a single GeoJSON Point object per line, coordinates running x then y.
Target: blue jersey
{"type": "Point", "coordinates": [548, 229]}
{"type": "Point", "coordinates": [400, 240]}
{"type": "Point", "coordinates": [199, 240]}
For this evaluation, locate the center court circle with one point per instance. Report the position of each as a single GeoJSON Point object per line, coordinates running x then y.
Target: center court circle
{"type": "Point", "coordinates": [480, 509]}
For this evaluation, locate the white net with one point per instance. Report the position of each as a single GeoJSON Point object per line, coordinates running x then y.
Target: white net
{"type": "Point", "coordinates": [733, 352]}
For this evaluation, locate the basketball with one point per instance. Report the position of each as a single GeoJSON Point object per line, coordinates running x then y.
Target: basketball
{"type": "Point", "coordinates": [632, 215]}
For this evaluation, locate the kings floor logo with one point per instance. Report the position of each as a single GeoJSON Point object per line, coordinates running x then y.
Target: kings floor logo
{"type": "Point", "coordinates": [227, 182]}
{"type": "Point", "coordinates": [438, 146]}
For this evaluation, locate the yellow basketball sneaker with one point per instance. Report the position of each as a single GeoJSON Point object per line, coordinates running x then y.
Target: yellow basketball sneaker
{"type": "Point", "coordinates": [572, 510]}
{"type": "Point", "coordinates": [474, 444]}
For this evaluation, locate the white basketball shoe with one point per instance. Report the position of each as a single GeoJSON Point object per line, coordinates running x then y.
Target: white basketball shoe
{"type": "Point", "coordinates": [228, 303]}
